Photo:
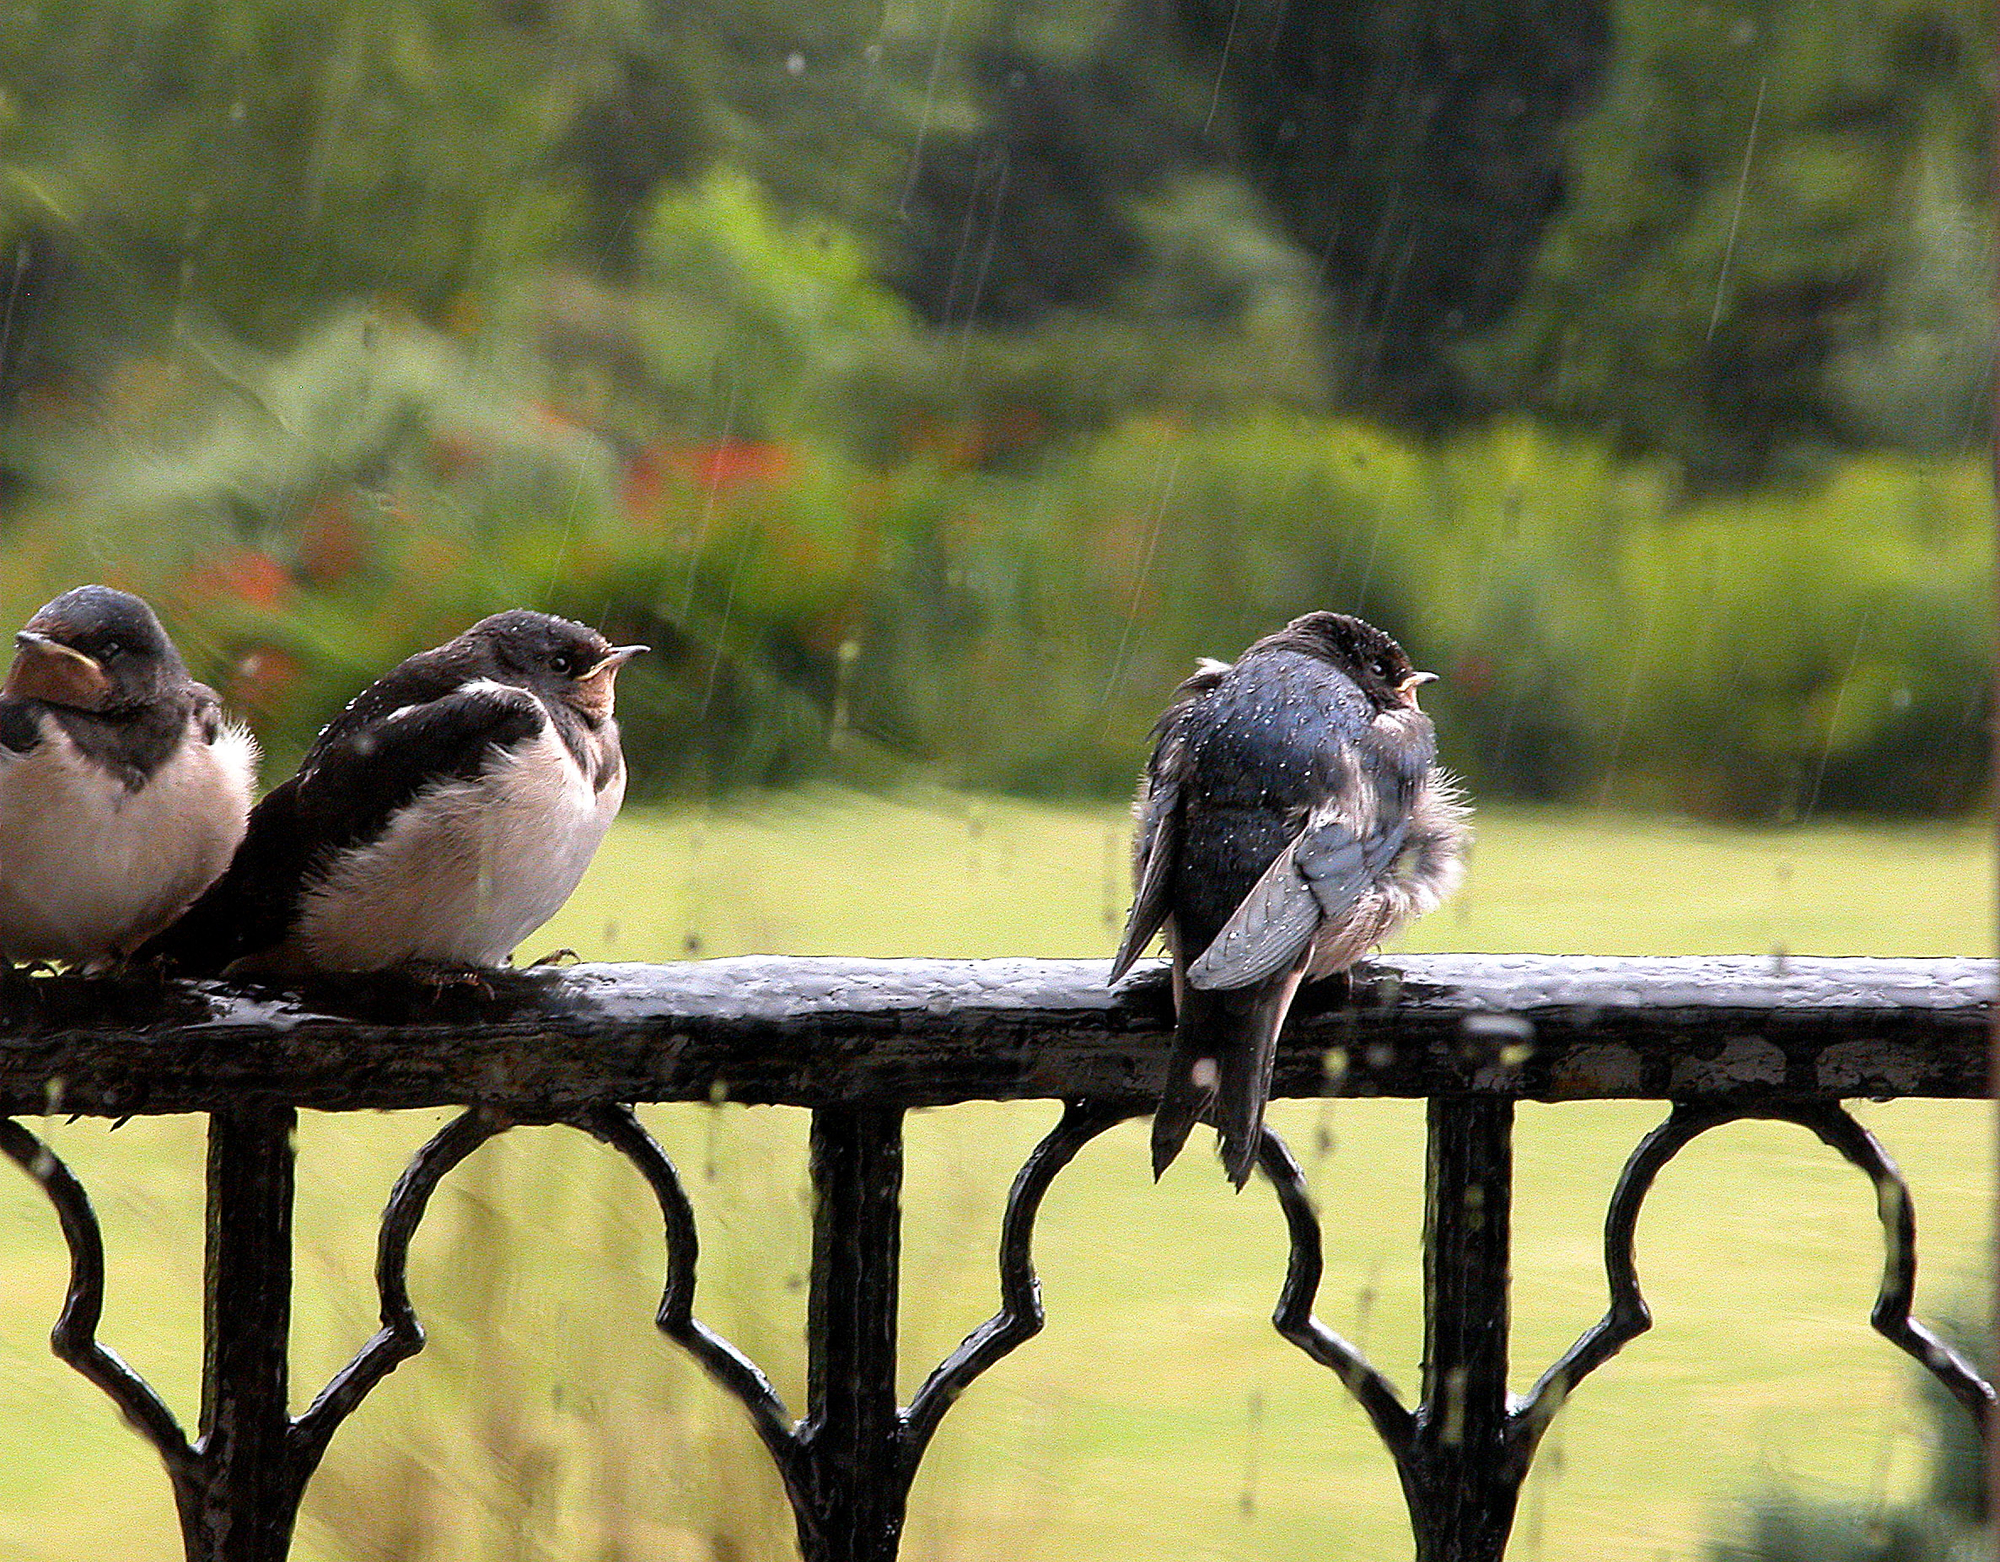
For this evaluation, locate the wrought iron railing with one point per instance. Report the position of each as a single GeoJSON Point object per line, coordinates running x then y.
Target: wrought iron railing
{"type": "Point", "coordinates": [861, 1042]}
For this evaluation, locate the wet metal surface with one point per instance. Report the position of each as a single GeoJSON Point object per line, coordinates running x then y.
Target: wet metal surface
{"type": "Point", "coordinates": [860, 1042]}
{"type": "Point", "coordinates": [815, 1032]}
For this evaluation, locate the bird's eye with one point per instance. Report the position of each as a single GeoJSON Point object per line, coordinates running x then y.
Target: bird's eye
{"type": "Point", "coordinates": [564, 664]}
{"type": "Point", "coordinates": [1382, 668]}
{"type": "Point", "coordinates": [110, 649]}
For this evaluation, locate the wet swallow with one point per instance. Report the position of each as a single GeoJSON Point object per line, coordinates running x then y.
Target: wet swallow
{"type": "Point", "coordinates": [1292, 816]}
{"type": "Point", "coordinates": [123, 790]}
{"type": "Point", "coordinates": [446, 813]}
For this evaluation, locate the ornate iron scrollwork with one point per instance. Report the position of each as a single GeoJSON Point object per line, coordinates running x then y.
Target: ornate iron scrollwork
{"type": "Point", "coordinates": [859, 1044]}
{"type": "Point", "coordinates": [804, 1455]}
{"type": "Point", "coordinates": [1627, 1315]}
{"type": "Point", "coordinates": [800, 1449]}
{"type": "Point", "coordinates": [208, 1490]}
{"type": "Point", "coordinates": [1295, 1319]}
{"type": "Point", "coordinates": [74, 1338]}
{"type": "Point", "coordinates": [1462, 1509]}
{"type": "Point", "coordinates": [732, 1371]}
{"type": "Point", "coordinates": [401, 1335]}
{"type": "Point", "coordinates": [1020, 1317]}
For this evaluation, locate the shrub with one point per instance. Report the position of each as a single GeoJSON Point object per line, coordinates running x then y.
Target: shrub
{"type": "Point", "coordinates": [1013, 614]}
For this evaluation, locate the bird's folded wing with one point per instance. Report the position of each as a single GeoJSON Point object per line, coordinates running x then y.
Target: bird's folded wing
{"type": "Point", "coordinates": [1316, 878]}
{"type": "Point", "coordinates": [357, 777]}
{"type": "Point", "coordinates": [352, 786]}
{"type": "Point", "coordinates": [1159, 842]}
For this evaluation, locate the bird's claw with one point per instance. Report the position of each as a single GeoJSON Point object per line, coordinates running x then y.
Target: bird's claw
{"type": "Point", "coordinates": [441, 977]}
{"type": "Point", "coordinates": [562, 956]}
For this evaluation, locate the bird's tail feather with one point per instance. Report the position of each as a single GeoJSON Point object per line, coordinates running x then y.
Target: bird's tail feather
{"type": "Point", "coordinates": [1192, 1073]}
{"type": "Point", "coordinates": [1224, 1046]}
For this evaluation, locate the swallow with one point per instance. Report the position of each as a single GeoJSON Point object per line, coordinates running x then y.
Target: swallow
{"type": "Point", "coordinates": [123, 789]}
{"type": "Point", "coordinates": [446, 813]}
{"type": "Point", "coordinates": [1292, 816]}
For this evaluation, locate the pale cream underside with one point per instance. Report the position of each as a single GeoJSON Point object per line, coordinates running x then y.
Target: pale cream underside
{"type": "Point", "coordinates": [89, 869]}
{"type": "Point", "coordinates": [467, 872]}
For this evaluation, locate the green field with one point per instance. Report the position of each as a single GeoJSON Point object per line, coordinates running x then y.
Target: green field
{"type": "Point", "coordinates": [1159, 1415]}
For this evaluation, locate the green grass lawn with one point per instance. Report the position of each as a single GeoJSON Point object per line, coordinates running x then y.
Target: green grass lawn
{"type": "Point", "coordinates": [1158, 1415]}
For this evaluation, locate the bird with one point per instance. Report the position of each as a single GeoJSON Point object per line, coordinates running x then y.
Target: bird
{"type": "Point", "coordinates": [1292, 815]}
{"type": "Point", "coordinates": [123, 788]}
{"type": "Point", "coordinates": [441, 817]}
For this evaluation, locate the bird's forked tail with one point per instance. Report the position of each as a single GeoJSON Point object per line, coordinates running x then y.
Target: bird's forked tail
{"type": "Point", "coordinates": [1224, 1045]}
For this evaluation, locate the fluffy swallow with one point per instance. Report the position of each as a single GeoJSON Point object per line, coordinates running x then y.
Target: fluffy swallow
{"type": "Point", "coordinates": [1292, 816]}
{"type": "Point", "coordinates": [123, 790]}
{"type": "Point", "coordinates": [446, 813]}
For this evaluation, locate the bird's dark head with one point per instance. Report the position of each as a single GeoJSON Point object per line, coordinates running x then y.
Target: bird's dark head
{"type": "Point", "coordinates": [94, 649]}
{"type": "Point", "coordinates": [1372, 659]}
{"type": "Point", "coordinates": [557, 658]}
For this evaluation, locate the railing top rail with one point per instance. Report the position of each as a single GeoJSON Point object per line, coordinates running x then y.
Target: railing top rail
{"type": "Point", "coordinates": [809, 1032]}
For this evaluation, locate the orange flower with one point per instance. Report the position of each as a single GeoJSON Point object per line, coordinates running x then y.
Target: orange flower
{"type": "Point", "coordinates": [1474, 675]}
{"type": "Point", "coordinates": [729, 463]}
{"type": "Point", "coordinates": [247, 576]}
{"type": "Point", "coordinates": [454, 454]}
{"type": "Point", "coordinates": [642, 483]}
{"type": "Point", "coordinates": [719, 466]}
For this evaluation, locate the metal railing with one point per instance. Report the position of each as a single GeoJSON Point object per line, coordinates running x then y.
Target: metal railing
{"type": "Point", "coordinates": [859, 1043]}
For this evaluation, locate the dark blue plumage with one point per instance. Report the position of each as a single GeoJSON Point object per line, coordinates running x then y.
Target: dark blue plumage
{"type": "Point", "coordinates": [1290, 818]}
{"type": "Point", "coordinates": [1274, 737]}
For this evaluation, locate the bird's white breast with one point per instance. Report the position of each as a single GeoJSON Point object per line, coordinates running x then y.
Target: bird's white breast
{"type": "Point", "coordinates": [90, 868]}
{"type": "Point", "coordinates": [468, 870]}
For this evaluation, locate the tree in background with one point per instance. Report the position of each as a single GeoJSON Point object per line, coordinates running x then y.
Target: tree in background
{"type": "Point", "coordinates": [1719, 232]}
{"type": "Point", "coordinates": [1776, 241]}
{"type": "Point", "coordinates": [933, 382]}
{"type": "Point", "coordinates": [1416, 151]}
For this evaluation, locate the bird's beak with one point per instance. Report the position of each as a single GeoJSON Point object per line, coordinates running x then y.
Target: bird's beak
{"type": "Point", "coordinates": [593, 690]}
{"type": "Point", "coordinates": [617, 657]}
{"type": "Point", "coordinates": [46, 669]}
{"type": "Point", "coordinates": [1407, 689]}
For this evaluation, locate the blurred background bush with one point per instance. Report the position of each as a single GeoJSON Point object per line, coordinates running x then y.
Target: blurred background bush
{"type": "Point", "coordinates": [1949, 1522]}
{"type": "Point", "coordinates": [932, 385]}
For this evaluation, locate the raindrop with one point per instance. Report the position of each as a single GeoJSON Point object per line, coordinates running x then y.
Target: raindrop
{"type": "Point", "coordinates": [1364, 1303]}
{"type": "Point", "coordinates": [1246, 1502]}
{"type": "Point", "coordinates": [1736, 212]}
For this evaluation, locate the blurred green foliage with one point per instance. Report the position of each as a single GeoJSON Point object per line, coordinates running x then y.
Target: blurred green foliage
{"type": "Point", "coordinates": [931, 386]}
{"type": "Point", "coordinates": [1777, 239]}
{"type": "Point", "coordinates": [1014, 617]}
{"type": "Point", "coordinates": [1948, 1523]}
